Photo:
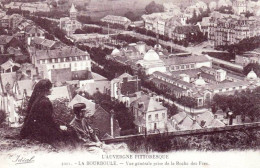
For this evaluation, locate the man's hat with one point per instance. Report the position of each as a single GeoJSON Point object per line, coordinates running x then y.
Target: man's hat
{"type": "Point", "coordinates": [79, 106]}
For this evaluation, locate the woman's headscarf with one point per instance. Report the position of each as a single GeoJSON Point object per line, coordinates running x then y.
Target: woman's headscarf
{"type": "Point", "coordinates": [40, 89]}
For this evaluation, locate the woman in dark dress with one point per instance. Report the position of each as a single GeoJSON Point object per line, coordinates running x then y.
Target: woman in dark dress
{"type": "Point", "coordinates": [39, 123]}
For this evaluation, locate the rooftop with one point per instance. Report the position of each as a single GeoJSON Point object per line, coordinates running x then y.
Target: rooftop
{"type": "Point", "coordinates": [178, 60]}
{"type": "Point", "coordinates": [62, 52]}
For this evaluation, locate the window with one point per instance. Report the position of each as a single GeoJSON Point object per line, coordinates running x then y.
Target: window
{"type": "Point", "coordinates": [163, 115]}
{"type": "Point", "coordinates": [149, 118]}
{"type": "Point", "coordinates": [156, 116]}
{"type": "Point", "coordinates": [182, 67]}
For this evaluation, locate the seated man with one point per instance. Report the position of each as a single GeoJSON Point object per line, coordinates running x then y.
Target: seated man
{"type": "Point", "coordinates": [82, 128]}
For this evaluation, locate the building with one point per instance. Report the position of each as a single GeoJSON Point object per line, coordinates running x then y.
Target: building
{"type": "Point", "coordinates": [61, 92]}
{"type": "Point", "coordinates": [31, 7]}
{"type": "Point", "coordinates": [240, 6]}
{"type": "Point", "coordinates": [204, 25]}
{"type": "Point", "coordinates": [32, 32]}
{"type": "Point", "coordinates": [184, 121]}
{"type": "Point", "coordinates": [95, 83]}
{"type": "Point", "coordinates": [9, 66]}
{"type": "Point", "coordinates": [123, 86]}
{"type": "Point", "coordinates": [134, 51]}
{"type": "Point", "coordinates": [150, 116]}
{"type": "Point", "coordinates": [248, 57]}
{"type": "Point", "coordinates": [157, 22]}
{"type": "Point", "coordinates": [170, 7]}
{"type": "Point", "coordinates": [14, 5]}
{"type": "Point", "coordinates": [177, 63]}
{"type": "Point", "coordinates": [203, 83]}
{"type": "Point", "coordinates": [116, 20]}
{"type": "Point", "coordinates": [60, 58]}
{"type": "Point", "coordinates": [14, 88]}
{"type": "Point", "coordinates": [45, 44]}
{"type": "Point", "coordinates": [151, 62]}
{"type": "Point", "coordinates": [7, 41]}
{"type": "Point", "coordinates": [70, 24]}
{"type": "Point", "coordinates": [231, 29]}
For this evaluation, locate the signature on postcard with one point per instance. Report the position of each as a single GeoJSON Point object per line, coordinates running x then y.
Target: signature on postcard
{"type": "Point", "coordinates": [18, 159]}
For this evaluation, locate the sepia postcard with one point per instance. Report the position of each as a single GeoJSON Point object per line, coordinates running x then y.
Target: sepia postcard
{"type": "Point", "coordinates": [129, 83]}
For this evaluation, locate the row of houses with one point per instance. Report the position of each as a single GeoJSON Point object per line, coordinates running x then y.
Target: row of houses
{"type": "Point", "coordinates": [170, 25]}
{"type": "Point", "coordinates": [226, 29]}
{"type": "Point", "coordinates": [32, 7]}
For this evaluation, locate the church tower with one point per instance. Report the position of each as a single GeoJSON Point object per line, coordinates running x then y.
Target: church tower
{"type": "Point", "coordinates": [73, 12]}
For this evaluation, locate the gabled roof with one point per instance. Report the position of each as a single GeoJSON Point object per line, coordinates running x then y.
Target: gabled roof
{"type": "Point", "coordinates": [188, 124]}
{"type": "Point", "coordinates": [9, 64]}
{"type": "Point", "coordinates": [178, 60]}
{"type": "Point", "coordinates": [44, 42]}
{"type": "Point", "coordinates": [216, 123]}
{"type": "Point", "coordinates": [66, 51]}
{"type": "Point", "coordinates": [179, 117]}
{"type": "Point", "coordinates": [124, 75]}
{"type": "Point", "coordinates": [34, 30]}
{"type": "Point", "coordinates": [5, 39]}
{"type": "Point", "coordinates": [98, 77]}
{"type": "Point", "coordinates": [207, 117]}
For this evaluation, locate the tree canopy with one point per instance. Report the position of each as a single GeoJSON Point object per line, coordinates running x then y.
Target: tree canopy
{"type": "Point", "coordinates": [152, 7]}
{"type": "Point", "coordinates": [245, 103]}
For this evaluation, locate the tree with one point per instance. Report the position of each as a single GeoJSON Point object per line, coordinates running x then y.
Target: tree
{"type": "Point", "coordinates": [152, 7]}
{"type": "Point", "coordinates": [62, 114]}
{"type": "Point", "coordinates": [130, 15]}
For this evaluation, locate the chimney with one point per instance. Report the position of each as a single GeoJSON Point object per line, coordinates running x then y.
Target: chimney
{"type": "Point", "coordinates": [215, 116]}
{"type": "Point", "coordinates": [198, 75]}
{"type": "Point", "coordinates": [112, 123]}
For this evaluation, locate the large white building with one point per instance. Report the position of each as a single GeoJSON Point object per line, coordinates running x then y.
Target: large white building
{"type": "Point", "coordinates": [61, 58]}
{"type": "Point", "coordinates": [116, 20]}
{"type": "Point", "coordinates": [151, 62]}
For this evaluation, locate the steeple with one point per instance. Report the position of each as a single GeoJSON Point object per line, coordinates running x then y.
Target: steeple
{"type": "Point", "coordinates": [73, 12]}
